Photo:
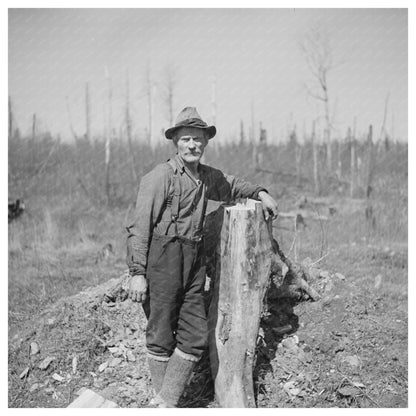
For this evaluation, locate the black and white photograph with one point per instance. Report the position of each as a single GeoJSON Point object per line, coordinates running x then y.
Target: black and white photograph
{"type": "Point", "coordinates": [207, 206]}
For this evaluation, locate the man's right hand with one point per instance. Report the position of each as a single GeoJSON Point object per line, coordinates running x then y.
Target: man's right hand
{"type": "Point", "coordinates": [138, 288]}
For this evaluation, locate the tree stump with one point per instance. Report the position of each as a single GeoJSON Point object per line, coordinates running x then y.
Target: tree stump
{"type": "Point", "coordinates": [242, 269]}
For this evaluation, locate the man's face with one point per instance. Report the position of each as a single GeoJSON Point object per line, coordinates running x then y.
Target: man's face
{"type": "Point", "coordinates": [190, 143]}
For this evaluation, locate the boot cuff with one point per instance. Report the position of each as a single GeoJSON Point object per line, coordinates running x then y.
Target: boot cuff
{"type": "Point", "coordinates": [185, 356]}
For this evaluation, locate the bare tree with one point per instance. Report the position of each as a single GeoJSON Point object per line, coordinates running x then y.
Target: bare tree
{"type": "Point", "coordinates": [318, 53]}
{"type": "Point", "coordinates": [129, 130]}
{"type": "Point", "coordinates": [108, 136]}
{"type": "Point", "coordinates": [87, 112]}
{"type": "Point", "coordinates": [10, 118]}
{"type": "Point", "coordinates": [214, 99]}
{"type": "Point", "coordinates": [316, 181]}
{"type": "Point", "coordinates": [150, 93]}
{"type": "Point", "coordinates": [170, 79]}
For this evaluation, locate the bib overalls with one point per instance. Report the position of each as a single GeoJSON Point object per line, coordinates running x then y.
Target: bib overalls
{"type": "Point", "coordinates": [176, 277]}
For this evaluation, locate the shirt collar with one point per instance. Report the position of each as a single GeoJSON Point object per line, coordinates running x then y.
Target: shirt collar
{"type": "Point", "coordinates": [179, 164]}
{"type": "Point", "coordinates": [182, 169]}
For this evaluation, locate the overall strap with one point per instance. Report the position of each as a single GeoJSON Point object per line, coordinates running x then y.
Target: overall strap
{"type": "Point", "coordinates": [174, 208]}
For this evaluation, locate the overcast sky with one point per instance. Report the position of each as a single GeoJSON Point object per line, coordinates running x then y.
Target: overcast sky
{"type": "Point", "coordinates": [253, 54]}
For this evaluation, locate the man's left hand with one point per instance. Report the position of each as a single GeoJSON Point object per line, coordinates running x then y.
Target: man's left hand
{"type": "Point", "coordinates": [269, 205]}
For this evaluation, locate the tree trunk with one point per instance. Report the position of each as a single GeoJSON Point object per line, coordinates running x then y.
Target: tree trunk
{"type": "Point", "coordinates": [129, 132]}
{"type": "Point", "coordinates": [10, 118]}
{"type": "Point", "coordinates": [315, 162]}
{"type": "Point", "coordinates": [298, 158]}
{"type": "Point", "coordinates": [351, 139]}
{"type": "Point", "coordinates": [87, 113]}
{"type": "Point", "coordinates": [242, 269]}
{"type": "Point", "coordinates": [108, 140]}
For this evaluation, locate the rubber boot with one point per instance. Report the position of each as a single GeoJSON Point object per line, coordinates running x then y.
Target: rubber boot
{"type": "Point", "coordinates": [177, 374]}
{"type": "Point", "coordinates": [157, 367]}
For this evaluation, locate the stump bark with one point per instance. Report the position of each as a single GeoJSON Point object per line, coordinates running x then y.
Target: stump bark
{"type": "Point", "coordinates": [242, 269]}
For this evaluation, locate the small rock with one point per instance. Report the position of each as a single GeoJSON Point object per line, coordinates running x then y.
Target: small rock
{"type": "Point", "coordinates": [57, 377]}
{"type": "Point", "coordinates": [103, 366]}
{"type": "Point", "coordinates": [51, 321]}
{"type": "Point", "coordinates": [289, 343]}
{"type": "Point", "coordinates": [347, 391]}
{"type": "Point", "coordinates": [324, 274]}
{"type": "Point", "coordinates": [131, 356]}
{"type": "Point", "coordinates": [34, 348]}
{"type": "Point", "coordinates": [45, 363]}
{"type": "Point", "coordinates": [116, 351]}
{"type": "Point", "coordinates": [329, 286]}
{"type": "Point", "coordinates": [134, 326]}
{"type": "Point", "coordinates": [131, 343]}
{"type": "Point", "coordinates": [24, 373]}
{"type": "Point", "coordinates": [290, 388]}
{"type": "Point", "coordinates": [115, 362]}
{"type": "Point", "coordinates": [49, 390]}
{"type": "Point", "coordinates": [34, 387]}
{"type": "Point", "coordinates": [352, 360]}
{"type": "Point", "coordinates": [340, 276]}
{"type": "Point", "coordinates": [111, 342]}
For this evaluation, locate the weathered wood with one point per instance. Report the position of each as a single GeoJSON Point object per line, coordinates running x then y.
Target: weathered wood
{"type": "Point", "coordinates": [90, 399]}
{"type": "Point", "coordinates": [242, 270]}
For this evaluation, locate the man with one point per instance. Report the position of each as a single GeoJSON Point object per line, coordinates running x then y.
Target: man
{"type": "Point", "coordinates": [165, 252]}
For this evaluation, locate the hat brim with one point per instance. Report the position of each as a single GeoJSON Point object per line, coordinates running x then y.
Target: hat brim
{"type": "Point", "coordinates": [212, 131]}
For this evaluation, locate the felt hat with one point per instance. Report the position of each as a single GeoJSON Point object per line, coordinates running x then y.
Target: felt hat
{"type": "Point", "coordinates": [189, 117]}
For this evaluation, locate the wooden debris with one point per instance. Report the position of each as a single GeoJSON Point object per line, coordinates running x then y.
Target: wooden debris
{"type": "Point", "coordinates": [90, 399]}
{"type": "Point", "coordinates": [24, 373]}
{"type": "Point", "coordinates": [74, 364]}
{"type": "Point", "coordinates": [45, 363]}
{"type": "Point", "coordinates": [34, 348]}
{"type": "Point", "coordinates": [34, 387]}
{"type": "Point", "coordinates": [57, 377]}
{"type": "Point", "coordinates": [103, 366]}
{"type": "Point", "coordinates": [340, 276]}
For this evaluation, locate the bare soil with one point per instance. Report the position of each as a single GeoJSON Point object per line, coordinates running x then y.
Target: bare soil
{"type": "Point", "coordinates": [349, 349]}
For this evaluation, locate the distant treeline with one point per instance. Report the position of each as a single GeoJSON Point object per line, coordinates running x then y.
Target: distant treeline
{"type": "Point", "coordinates": [44, 165]}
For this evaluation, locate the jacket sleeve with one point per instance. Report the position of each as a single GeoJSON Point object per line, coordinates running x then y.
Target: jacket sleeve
{"type": "Point", "coordinates": [240, 188]}
{"type": "Point", "coordinates": [153, 191]}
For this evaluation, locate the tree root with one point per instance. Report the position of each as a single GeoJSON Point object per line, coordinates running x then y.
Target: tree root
{"type": "Point", "coordinates": [295, 283]}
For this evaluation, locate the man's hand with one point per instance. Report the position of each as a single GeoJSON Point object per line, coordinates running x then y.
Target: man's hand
{"type": "Point", "coordinates": [138, 288]}
{"type": "Point", "coordinates": [269, 205]}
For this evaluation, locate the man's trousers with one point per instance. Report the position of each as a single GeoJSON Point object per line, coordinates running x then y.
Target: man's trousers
{"type": "Point", "coordinates": [175, 307]}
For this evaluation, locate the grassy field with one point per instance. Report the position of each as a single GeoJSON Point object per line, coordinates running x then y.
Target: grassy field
{"type": "Point", "coordinates": [60, 246]}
